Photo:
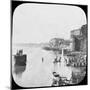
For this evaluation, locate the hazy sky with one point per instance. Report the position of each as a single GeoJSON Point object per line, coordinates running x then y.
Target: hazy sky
{"type": "Point", "coordinates": [36, 23]}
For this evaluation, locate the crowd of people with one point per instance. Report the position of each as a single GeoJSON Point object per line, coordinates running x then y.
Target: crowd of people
{"type": "Point", "coordinates": [78, 61]}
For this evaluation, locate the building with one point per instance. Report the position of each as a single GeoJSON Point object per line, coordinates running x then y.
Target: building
{"type": "Point", "coordinates": [79, 39]}
{"type": "Point", "coordinates": [60, 43]}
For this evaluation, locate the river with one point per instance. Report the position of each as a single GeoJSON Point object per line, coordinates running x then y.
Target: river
{"type": "Point", "coordinates": [38, 73]}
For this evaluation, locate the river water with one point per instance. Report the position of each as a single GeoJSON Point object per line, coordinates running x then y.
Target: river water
{"type": "Point", "coordinates": [38, 73]}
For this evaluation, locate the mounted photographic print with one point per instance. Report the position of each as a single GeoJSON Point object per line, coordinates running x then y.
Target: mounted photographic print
{"type": "Point", "coordinates": [49, 44]}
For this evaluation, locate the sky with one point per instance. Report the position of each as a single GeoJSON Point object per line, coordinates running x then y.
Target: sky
{"type": "Point", "coordinates": [38, 23]}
